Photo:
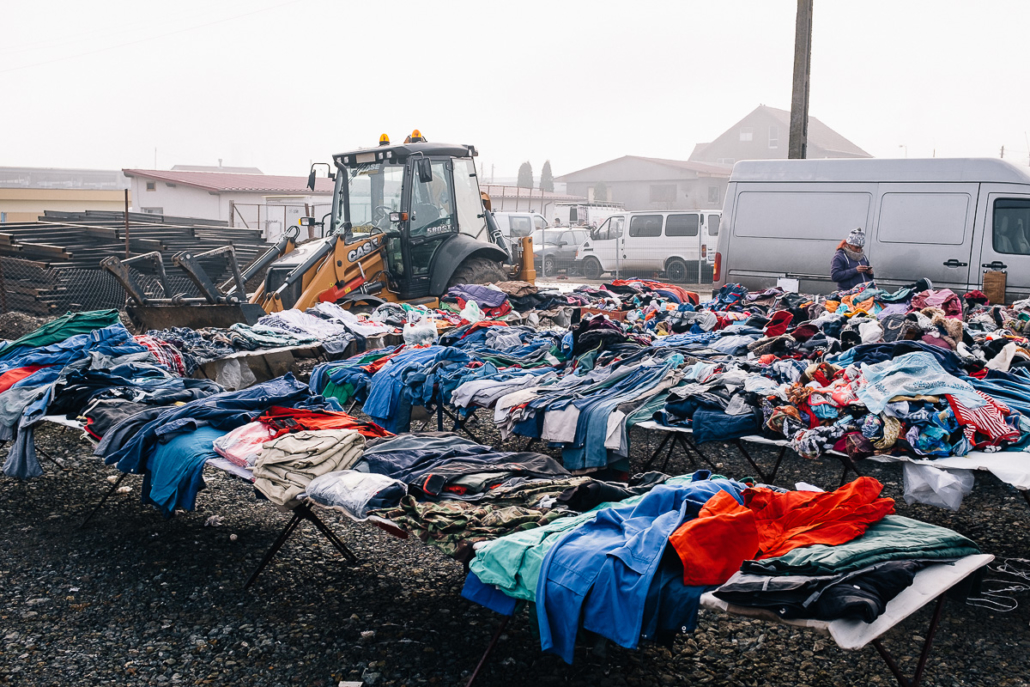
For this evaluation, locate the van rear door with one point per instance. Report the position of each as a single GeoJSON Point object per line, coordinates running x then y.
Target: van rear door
{"type": "Point", "coordinates": [923, 230]}
{"type": "Point", "coordinates": [1005, 244]}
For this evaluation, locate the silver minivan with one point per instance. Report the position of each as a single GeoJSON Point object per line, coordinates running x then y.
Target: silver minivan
{"type": "Point", "coordinates": [948, 220]}
{"type": "Point", "coordinates": [675, 245]}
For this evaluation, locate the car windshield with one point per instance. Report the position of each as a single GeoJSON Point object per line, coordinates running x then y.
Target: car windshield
{"type": "Point", "coordinates": [550, 237]}
{"type": "Point", "coordinates": [373, 190]}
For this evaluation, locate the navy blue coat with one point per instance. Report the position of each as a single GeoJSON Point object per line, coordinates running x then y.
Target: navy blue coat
{"type": "Point", "coordinates": [843, 270]}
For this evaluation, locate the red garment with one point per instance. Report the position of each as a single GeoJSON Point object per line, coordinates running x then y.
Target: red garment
{"type": "Point", "coordinates": [781, 522]}
{"type": "Point", "coordinates": [285, 420]}
{"type": "Point", "coordinates": [987, 420]}
{"type": "Point", "coordinates": [378, 363]}
{"type": "Point", "coordinates": [483, 324]}
{"type": "Point", "coordinates": [12, 377]}
{"type": "Point", "coordinates": [778, 323]}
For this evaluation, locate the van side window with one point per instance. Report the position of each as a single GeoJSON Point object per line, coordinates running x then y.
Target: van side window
{"type": "Point", "coordinates": [1011, 226]}
{"type": "Point", "coordinates": [713, 224]}
{"type": "Point", "coordinates": [682, 225]}
{"type": "Point", "coordinates": [645, 225]}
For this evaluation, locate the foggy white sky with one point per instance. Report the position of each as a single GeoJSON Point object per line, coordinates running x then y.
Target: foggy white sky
{"type": "Point", "coordinates": [276, 84]}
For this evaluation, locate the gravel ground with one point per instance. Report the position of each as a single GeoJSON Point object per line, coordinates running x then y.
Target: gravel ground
{"type": "Point", "coordinates": [134, 599]}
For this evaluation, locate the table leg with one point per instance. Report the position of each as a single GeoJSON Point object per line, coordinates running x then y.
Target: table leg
{"type": "Point", "coordinates": [280, 540]}
{"type": "Point", "coordinates": [489, 650]}
{"type": "Point", "coordinates": [740, 447]}
{"type": "Point", "coordinates": [923, 656]}
{"type": "Point", "coordinates": [102, 499]}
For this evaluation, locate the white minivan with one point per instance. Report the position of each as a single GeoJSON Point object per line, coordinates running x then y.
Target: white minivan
{"type": "Point", "coordinates": [677, 245]}
{"type": "Point", "coordinates": [948, 220]}
{"type": "Point", "coordinates": [515, 225]}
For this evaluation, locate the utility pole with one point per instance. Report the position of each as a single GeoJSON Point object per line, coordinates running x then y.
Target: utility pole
{"type": "Point", "coordinates": [797, 147]}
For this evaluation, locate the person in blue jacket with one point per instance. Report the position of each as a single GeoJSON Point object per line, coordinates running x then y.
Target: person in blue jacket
{"type": "Point", "coordinates": [850, 266]}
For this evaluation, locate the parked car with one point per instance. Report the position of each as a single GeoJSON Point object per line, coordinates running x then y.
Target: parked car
{"type": "Point", "coordinates": [515, 225]}
{"type": "Point", "coordinates": [674, 245]}
{"type": "Point", "coordinates": [555, 249]}
{"type": "Point", "coordinates": [947, 220]}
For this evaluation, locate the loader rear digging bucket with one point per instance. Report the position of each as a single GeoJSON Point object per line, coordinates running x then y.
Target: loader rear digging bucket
{"type": "Point", "coordinates": [194, 316]}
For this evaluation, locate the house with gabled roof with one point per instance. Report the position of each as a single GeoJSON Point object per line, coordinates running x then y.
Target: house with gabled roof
{"type": "Point", "coordinates": [763, 135]}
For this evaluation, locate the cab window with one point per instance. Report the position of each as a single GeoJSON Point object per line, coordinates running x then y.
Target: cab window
{"type": "Point", "coordinates": [432, 204]}
{"type": "Point", "coordinates": [1011, 226]}
{"type": "Point", "coordinates": [471, 219]}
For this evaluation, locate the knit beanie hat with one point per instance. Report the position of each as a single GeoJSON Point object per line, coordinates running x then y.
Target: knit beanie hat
{"type": "Point", "coordinates": [856, 237]}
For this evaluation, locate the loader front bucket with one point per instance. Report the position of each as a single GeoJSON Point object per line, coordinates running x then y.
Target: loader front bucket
{"type": "Point", "coordinates": [194, 316]}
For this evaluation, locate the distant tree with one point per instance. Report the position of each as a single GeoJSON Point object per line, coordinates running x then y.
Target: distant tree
{"type": "Point", "coordinates": [546, 178]}
{"type": "Point", "coordinates": [526, 175]}
{"type": "Point", "coordinates": [600, 192]}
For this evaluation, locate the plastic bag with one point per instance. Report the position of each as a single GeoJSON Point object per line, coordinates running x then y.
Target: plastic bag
{"type": "Point", "coordinates": [936, 487]}
{"type": "Point", "coordinates": [242, 446]}
{"type": "Point", "coordinates": [472, 313]}
{"type": "Point", "coordinates": [419, 331]}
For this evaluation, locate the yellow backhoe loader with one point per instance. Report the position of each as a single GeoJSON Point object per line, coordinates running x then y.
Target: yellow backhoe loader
{"type": "Point", "coordinates": [408, 221]}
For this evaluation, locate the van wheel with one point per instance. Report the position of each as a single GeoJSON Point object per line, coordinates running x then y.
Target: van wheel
{"type": "Point", "coordinates": [592, 268]}
{"type": "Point", "coordinates": [676, 271]}
{"type": "Point", "coordinates": [550, 269]}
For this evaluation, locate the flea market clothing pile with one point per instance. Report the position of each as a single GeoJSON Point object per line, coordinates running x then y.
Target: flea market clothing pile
{"type": "Point", "coordinates": [82, 365]}
{"type": "Point", "coordinates": [635, 569]}
{"type": "Point", "coordinates": [863, 372]}
{"type": "Point", "coordinates": [326, 325]}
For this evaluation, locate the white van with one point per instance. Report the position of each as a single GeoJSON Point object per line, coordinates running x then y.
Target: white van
{"type": "Point", "coordinates": [515, 225]}
{"type": "Point", "coordinates": [674, 245]}
{"type": "Point", "coordinates": [948, 220]}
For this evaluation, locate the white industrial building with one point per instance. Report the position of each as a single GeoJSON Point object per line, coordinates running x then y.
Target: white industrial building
{"type": "Point", "coordinates": [244, 199]}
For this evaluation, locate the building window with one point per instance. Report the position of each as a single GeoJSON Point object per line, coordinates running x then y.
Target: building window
{"type": "Point", "coordinates": [152, 211]}
{"type": "Point", "coordinates": [151, 185]}
{"type": "Point", "coordinates": [774, 137]}
{"type": "Point", "coordinates": [169, 185]}
{"type": "Point", "coordinates": [663, 193]}
{"type": "Point", "coordinates": [747, 134]}
{"type": "Point", "coordinates": [713, 195]}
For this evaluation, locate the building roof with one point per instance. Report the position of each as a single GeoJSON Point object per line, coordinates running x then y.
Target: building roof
{"type": "Point", "coordinates": [222, 182]}
{"type": "Point", "coordinates": [699, 168]}
{"type": "Point", "coordinates": [936, 169]}
{"type": "Point", "coordinates": [819, 135]}
{"type": "Point", "coordinates": [55, 178]}
{"type": "Point", "coordinates": [216, 168]}
{"type": "Point", "coordinates": [504, 191]}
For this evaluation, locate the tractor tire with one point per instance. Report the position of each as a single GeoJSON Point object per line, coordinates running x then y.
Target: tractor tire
{"type": "Point", "coordinates": [478, 271]}
{"type": "Point", "coordinates": [676, 271]}
{"type": "Point", "coordinates": [550, 267]}
{"type": "Point", "coordinates": [592, 268]}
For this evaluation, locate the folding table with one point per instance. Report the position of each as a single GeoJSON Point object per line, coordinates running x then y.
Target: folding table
{"type": "Point", "coordinates": [930, 584]}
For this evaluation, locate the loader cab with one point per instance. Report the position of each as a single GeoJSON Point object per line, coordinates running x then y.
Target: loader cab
{"type": "Point", "coordinates": [418, 197]}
